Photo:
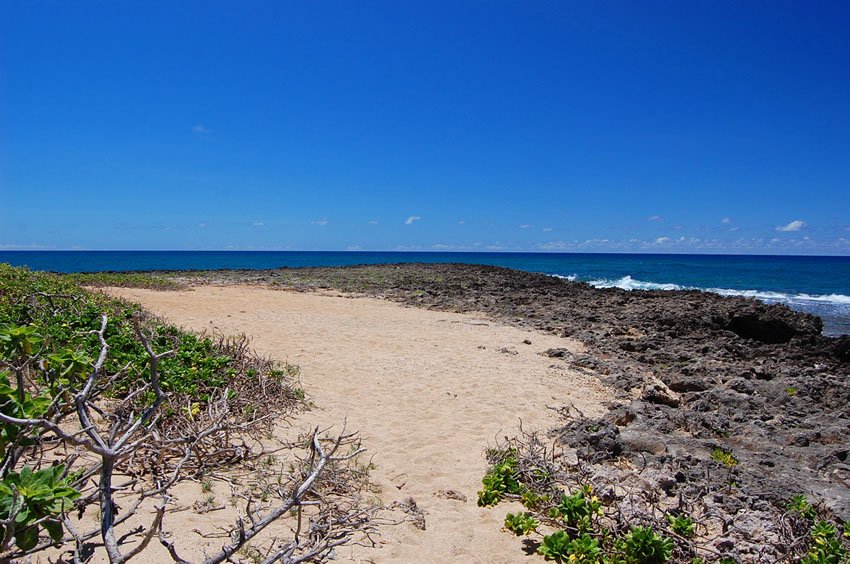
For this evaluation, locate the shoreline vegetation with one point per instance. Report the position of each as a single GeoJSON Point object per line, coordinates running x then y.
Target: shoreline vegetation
{"type": "Point", "coordinates": [106, 410]}
{"type": "Point", "coordinates": [724, 440]}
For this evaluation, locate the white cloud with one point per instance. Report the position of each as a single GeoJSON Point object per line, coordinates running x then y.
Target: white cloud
{"type": "Point", "coordinates": [202, 224]}
{"type": "Point", "coordinates": [373, 222]}
{"type": "Point", "coordinates": [462, 222]}
{"type": "Point", "coordinates": [526, 226]}
{"type": "Point", "coordinates": [411, 219]}
{"type": "Point", "coordinates": [201, 129]}
{"type": "Point", "coordinates": [30, 247]}
{"type": "Point", "coordinates": [258, 224]}
{"type": "Point", "coordinates": [322, 222]}
{"type": "Point", "coordinates": [662, 240]}
{"type": "Point", "coordinates": [795, 225]}
{"type": "Point", "coordinates": [726, 220]}
{"type": "Point", "coordinates": [547, 229]}
{"type": "Point", "coordinates": [654, 218]}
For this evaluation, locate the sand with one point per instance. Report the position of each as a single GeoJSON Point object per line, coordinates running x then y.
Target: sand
{"type": "Point", "coordinates": [428, 391]}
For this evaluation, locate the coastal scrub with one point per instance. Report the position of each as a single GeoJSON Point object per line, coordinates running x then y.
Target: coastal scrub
{"type": "Point", "coordinates": [93, 388]}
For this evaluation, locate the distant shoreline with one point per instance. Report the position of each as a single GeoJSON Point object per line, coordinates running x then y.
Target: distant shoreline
{"type": "Point", "coordinates": [817, 284]}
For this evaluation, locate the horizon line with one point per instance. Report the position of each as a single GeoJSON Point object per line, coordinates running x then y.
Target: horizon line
{"type": "Point", "coordinates": [419, 251]}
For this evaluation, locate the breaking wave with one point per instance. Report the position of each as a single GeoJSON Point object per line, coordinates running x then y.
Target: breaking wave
{"type": "Point", "coordinates": [629, 283]}
{"type": "Point", "coordinates": [834, 309]}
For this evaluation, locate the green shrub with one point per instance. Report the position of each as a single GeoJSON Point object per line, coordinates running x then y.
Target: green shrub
{"type": "Point", "coordinates": [555, 546]}
{"type": "Point", "coordinates": [578, 510]}
{"type": "Point", "coordinates": [584, 550]}
{"type": "Point", "coordinates": [521, 523]}
{"type": "Point", "coordinates": [500, 480]}
{"type": "Point", "coordinates": [682, 525]}
{"type": "Point", "coordinates": [825, 547]}
{"type": "Point", "coordinates": [801, 506]}
{"type": "Point", "coordinates": [642, 545]}
{"type": "Point", "coordinates": [36, 500]}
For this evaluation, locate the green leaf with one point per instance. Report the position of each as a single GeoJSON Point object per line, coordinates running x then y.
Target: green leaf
{"type": "Point", "coordinates": [27, 539]}
{"type": "Point", "coordinates": [54, 529]}
{"type": "Point", "coordinates": [22, 515]}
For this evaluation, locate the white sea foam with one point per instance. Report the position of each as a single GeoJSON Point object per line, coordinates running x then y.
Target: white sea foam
{"type": "Point", "coordinates": [629, 283]}
{"type": "Point", "coordinates": [835, 299]}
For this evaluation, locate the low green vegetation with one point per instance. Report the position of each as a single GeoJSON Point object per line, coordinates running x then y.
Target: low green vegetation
{"type": "Point", "coordinates": [645, 546]}
{"type": "Point", "coordinates": [825, 543]}
{"type": "Point", "coordinates": [724, 457]}
{"type": "Point", "coordinates": [122, 280]}
{"type": "Point", "coordinates": [566, 520]}
{"type": "Point", "coordinates": [682, 525]}
{"type": "Point", "coordinates": [38, 500]}
{"type": "Point", "coordinates": [66, 351]}
{"type": "Point", "coordinates": [575, 518]}
{"type": "Point", "coordinates": [521, 523]}
{"type": "Point", "coordinates": [500, 480]}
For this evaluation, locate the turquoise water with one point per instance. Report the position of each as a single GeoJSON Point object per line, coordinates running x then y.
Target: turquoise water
{"type": "Point", "coordinates": [819, 285]}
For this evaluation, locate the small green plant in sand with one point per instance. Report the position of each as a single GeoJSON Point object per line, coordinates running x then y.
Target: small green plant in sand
{"type": "Point", "coordinates": [555, 546]}
{"type": "Point", "coordinates": [682, 525]}
{"type": "Point", "coordinates": [500, 480]}
{"type": "Point", "coordinates": [559, 546]}
{"type": "Point", "coordinates": [642, 545]}
{"type": "Point", "coordinates": [578, 510]}
{"type": "Point", "coordinates": [521, 523]}
{"type": "Point", "coordinates": [532, 500]}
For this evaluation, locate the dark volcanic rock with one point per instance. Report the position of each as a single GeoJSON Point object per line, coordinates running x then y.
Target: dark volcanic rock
{"type": "Point", "coordinates": [772, 326]}
{"type": "Point", "coordinates": [557, 353]}
{"type": "Point", "coordinates": [594, 440]}
{"type": "Point", "coordinates": [842, 349]}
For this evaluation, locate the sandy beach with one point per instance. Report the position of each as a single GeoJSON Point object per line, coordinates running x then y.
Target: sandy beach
{"type": "Point", "coordinates": [428, 391]}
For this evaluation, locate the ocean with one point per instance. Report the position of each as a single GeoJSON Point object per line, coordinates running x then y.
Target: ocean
{"type": "Point", "coordinates": [819, 285]}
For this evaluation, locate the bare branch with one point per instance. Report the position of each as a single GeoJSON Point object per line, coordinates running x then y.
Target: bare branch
{"type": "Point", "coordinates": [294, 500]}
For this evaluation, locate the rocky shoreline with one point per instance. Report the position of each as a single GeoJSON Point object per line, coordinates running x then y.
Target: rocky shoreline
{"type": "Point", "coordinates": [695, 373]}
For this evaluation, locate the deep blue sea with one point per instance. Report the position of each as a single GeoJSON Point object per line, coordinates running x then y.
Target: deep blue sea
{"type": "Point", "coordinates": [819, 285]}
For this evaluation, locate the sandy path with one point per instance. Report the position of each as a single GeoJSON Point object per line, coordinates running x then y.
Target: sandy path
{"type": "Point", "coordinates": [428, 390]}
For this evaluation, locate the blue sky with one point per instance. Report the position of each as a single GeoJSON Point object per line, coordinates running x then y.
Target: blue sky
{"type": "Point", "coordinates": [718, 127]}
